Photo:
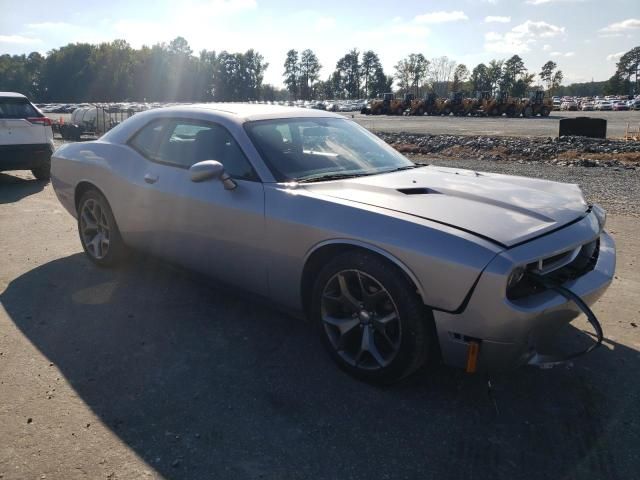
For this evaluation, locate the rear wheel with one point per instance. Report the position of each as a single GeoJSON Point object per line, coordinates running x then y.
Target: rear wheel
{"type": "Point", "coordinates": [545, 112]}
{"type": "Point", "coordinates": [370, 318]}
{"type": "Point", "coordinates": [98, 230]}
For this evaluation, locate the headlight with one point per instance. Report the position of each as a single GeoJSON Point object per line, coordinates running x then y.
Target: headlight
{"type": "Point", "coordinates": [600, 214]}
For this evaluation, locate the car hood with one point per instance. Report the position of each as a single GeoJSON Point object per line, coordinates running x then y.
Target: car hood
{"type": "Point", "coordinates": [505, 209]}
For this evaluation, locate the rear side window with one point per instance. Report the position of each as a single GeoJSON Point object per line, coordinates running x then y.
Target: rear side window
{"type": "Point", "coordinates": [146, 141]}
{"type": "Point", "coordinates": [17, 108]}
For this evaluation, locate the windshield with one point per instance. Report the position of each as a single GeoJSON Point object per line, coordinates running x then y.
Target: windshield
{"type": "Point", "coordinates": [321, 148]}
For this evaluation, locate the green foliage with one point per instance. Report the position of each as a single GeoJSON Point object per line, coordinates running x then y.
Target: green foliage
{"type": "Point", "coordinates": [587, 89]}
{"type": "Point", "coordinates": [370, 68]}
{"type": "Point", "coordinates": [616, 85]}
{"type": "Point", "coordinates": [629, 66]}
{"type": "Point", "coordinates": [480, 80]}
{"type": "Point", "coordinates": [551, 76]}
{"type": "Point", "coordinates": [411, 73]}
{"type": "Point", "coordinates": [114, 71]}
{"type": "Point", "coordinates": [292, 73]}
{"type": "Point", "coordinates": [460, 76]}
{"type": "Point", "coordinates": [348, 74]}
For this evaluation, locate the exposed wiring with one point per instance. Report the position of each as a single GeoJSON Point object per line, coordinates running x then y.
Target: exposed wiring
{"type": "Point", "coordinates": [548, 361]}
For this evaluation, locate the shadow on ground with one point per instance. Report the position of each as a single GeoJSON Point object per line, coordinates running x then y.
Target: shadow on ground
{"type": "Point", "coordinates": [204, 382]}
{"type": "Point", "coordinates": [14, 188]}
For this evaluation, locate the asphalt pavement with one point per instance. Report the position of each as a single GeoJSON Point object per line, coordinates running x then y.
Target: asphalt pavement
{"type": "Point", "coordinates": [149, 371]}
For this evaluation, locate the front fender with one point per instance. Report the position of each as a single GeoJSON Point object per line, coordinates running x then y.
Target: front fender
{"type": "Point", "coordinates": [443, 262]}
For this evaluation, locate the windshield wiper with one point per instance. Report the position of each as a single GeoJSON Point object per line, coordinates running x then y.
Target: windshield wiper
{"type": "Point", "coordinates": [399, 169]}
{"type": "Point", "coordinates": [342, 175]}
{"type": "Point", "coordinates": [332, 176]}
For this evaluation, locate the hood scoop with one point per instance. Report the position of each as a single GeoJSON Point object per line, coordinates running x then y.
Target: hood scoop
{"type": "Point", "coordinates": [416, 191]}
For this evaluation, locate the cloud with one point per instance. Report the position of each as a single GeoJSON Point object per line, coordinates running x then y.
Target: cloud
{"type": "Point", "coordinates": [614, 56]}
{"type": "Point", "coordinates": [623, 26]}
{"type": "Point", "coordinates": [19, 39]}
{"type": "Point", "coordinates": [48, 25]}
{"type": "Point", "coordinates": [560, 54]}
{"type": "Point", "coordinates": [546, 47]}
{"type": "Point", "coordinates": [544, 2]}
{"type": "Point", "coordinates": [538, 29]}
{"type": "Point", "coordinates": [325, 23]}
{"type": "Point", "coordinates": [397, 30]}
{"type": "Point", "coordinates": [520, 38]}
{"type": "Point", "coordinates": [496, 19]}
{"type": "Point", "coordinates": [441, 17]}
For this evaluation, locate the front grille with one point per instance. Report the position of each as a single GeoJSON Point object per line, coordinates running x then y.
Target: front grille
{"type": "Point", "coordinates": [583, 263]}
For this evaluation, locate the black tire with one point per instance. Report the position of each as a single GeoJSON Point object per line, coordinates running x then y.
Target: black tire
{"type": "Point", "coordinates": [43, 172]}
{"type": "Point", "coordinates": [412, 331]}
{"type": "Point", "coordinates": [116, 248]}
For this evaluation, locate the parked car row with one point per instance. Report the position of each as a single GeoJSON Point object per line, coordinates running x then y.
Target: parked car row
{"type": "Point", "coordinates": [608, 103]}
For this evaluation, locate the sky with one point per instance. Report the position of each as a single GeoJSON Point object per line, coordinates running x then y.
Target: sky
{"type": "Point", "coordinates": [584, 37]}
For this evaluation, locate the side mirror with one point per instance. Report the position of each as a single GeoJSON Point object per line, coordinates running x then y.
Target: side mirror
{"type": "Point", "coordinates": [209, 169]}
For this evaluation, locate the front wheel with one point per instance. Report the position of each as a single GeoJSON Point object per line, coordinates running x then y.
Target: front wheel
{"type": "Point", "coordinates": [371, 318]}
{"type": "Point", "coordinates": [98, 230]}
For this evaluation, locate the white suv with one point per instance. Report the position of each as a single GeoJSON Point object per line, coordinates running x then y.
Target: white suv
{"type": "Point", "coordinates": [26, 138]}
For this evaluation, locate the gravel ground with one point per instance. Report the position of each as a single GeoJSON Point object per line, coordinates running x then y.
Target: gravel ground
{"type": "Point", "coordinates": [527, 127]}
{"type": "Point", "coordinates": [617, 190]}
{"type": "Point", "coordinates": [608, 171]}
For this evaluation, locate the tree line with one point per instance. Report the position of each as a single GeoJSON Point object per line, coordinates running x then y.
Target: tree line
{"type": "Point", "coordinates": [114, 71]}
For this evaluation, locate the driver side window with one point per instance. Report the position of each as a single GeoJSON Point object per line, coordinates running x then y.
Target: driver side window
{"type": "Point", "coordinates": [186, 142]}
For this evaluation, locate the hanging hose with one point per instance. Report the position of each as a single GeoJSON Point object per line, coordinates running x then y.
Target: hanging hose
{"type": "Point", "coordinates": [549, 361]}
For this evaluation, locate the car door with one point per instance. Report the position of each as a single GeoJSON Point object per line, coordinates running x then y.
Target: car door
{"type": "Point", "coordinates": [200, 224]}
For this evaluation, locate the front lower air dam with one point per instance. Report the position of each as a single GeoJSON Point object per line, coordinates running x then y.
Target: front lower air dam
{"type": "Point", "coordinates": [550, 361]}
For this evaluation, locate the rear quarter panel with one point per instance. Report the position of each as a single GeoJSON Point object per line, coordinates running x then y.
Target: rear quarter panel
{"type": "Point", "coordinates": [116, 170]}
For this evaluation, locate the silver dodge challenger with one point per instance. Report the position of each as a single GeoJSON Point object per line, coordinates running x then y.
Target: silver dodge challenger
{"type": "Point", "coordinates": [396, 264]}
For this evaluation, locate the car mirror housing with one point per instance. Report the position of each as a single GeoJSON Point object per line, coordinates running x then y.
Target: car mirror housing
{"type": "Point", "coordinates": [205, 170]}
{"type": "Point", "coordinates": [209, 169]}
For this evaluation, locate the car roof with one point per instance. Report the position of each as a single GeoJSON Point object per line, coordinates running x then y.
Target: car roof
{"type": "Point", "coordinates": [229, 114]}
{"type": "Point", "coordinates": [244, 112]}
{"type": "Point", "coordinates": [11, 95]}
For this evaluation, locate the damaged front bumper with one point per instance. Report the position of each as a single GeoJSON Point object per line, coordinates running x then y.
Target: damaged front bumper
{"type": "Point", "coordinates": [510, 333]}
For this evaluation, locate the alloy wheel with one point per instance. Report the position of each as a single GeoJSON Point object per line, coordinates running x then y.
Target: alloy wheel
{"type": "Point", "coordinates": [361, 320]}
{"type": "Point", "coordinates": [95, 229]}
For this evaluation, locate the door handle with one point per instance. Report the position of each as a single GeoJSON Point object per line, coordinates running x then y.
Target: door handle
{"type": "Point", "coordinates": [150, 178]}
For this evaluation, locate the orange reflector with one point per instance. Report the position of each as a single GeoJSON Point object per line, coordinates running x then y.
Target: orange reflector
{"type": "Point", "coordinates": [472, 356]}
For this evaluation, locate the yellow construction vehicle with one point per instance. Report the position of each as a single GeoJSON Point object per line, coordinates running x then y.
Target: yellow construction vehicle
{"type": "Point", "coordinates": [502, 104]}
{"type": "Point", "coordinates": [457, 104]}
{"type": "Point", "coordinates": [429, 105]}
{"type": "Point", "coordinates": [536, 104]}
{"type": "Point", "coordinates": [388, 105]}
